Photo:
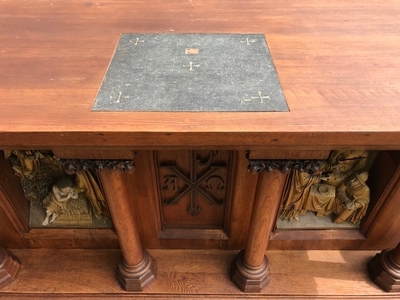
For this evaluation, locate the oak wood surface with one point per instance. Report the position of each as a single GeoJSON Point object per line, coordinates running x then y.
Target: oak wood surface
{"type": "Point", "coordinates": [192, 274]}
{"type": "Point", "coordinates": [337, 63]}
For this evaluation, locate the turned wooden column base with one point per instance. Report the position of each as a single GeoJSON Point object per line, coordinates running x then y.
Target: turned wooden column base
{"type": "Point", "coordinates": [136, 278]}
{"type": "Point", "coordinates": [8, 268]}
{"type": "Point", "coordinates": [385, 272]}
{"type": "Point", "coordinates": [249, 279]}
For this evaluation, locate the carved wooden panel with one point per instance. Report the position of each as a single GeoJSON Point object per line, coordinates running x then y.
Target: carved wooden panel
{"type": "Point", "coordinates": [194, 188]}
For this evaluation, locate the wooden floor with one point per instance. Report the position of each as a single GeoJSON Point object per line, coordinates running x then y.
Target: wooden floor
{"type": "Point", "coordinates": [193, 274]}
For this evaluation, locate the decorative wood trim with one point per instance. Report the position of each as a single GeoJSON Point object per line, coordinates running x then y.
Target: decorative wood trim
{"type": "Point", "coordinates": [12, 213]}
{"type": "Point", "coordinates": [284, 166]}
{"type": "Point", "coordinates": [289, 154]}
{"type": "Point", "coordinates": [72, 166]}
{"type": "Point", "coordinates": [8, 268]}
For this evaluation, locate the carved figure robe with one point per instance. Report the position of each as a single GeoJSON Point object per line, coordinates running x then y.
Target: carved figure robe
{"type": "Point", "coordinates": [51, 203]}
{"type": "Point", "coordinates": [299, 189]}
{"type": "Point", "coordinates": [87, 185]}
{"type": "Point", "coordinates": [360, 198]}
{"type": "Point", "coordinates": [320, 199]}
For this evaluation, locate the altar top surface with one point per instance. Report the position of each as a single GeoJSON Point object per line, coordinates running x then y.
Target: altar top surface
{"type": "Point", "coordinates": [338, 64]}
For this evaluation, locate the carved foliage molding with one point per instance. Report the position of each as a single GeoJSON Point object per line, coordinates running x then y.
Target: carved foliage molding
{"type": "Point", "coordinates": [285, 166]}
{"type": "Point", "coordinates": [73, 166]}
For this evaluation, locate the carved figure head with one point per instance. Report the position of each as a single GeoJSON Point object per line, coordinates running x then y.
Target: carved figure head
{"type": "Point", "coordinates": [64, 189]}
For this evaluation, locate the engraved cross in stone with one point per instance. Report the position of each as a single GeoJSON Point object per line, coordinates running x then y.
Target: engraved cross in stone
{"type": "Point", "coordinates": [138, 41]}
{"type": "Point", "coordinates": [191, 65]}
{"type": "Point", "coordinates": [259, 97]}
{"type": "Point", "coordinates": [247, 41]}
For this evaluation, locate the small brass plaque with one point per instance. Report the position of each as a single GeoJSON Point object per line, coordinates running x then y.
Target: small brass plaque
{"type": "Point", "coordinates": [192, 51]}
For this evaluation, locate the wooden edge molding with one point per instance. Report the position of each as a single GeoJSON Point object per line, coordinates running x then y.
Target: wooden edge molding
{"type": "Point", "coordinates": [193, 234]}
{"type": "Point", "coordinates": [317, 234]}
{"type": "Point", "coordinates": [78, 153]}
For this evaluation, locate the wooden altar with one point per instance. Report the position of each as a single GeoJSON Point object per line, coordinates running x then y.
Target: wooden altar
{"type": "Point", "coordinates": [338, 68]}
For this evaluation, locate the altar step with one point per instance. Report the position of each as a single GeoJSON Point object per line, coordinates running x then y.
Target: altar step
{"type": "Point", "coordinates": [192, 274]}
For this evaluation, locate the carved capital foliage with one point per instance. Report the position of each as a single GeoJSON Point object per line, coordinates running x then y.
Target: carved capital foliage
{"type": "Point", "coordinates": [285, 166]}
{"type": "Point", "coordinates": [73, 166]}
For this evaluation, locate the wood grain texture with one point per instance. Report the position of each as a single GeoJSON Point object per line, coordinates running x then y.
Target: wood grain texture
{"type": "Point", "coordinates": [12, 213]}
{"type": "Point", "coordinates": [263, 217]}
{"type": "Point", "coordinates": [337, 64]}
{"type": "Point", "coordinates": [193, 274]}
{"type": "Point", "coordinates": [119, 202]}
{"type": "Point", "coordinates": [384, 203]}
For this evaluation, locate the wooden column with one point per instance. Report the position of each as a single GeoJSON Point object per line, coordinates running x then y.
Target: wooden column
{"type": "Point", "coordinates": [250, 269]}
{"type": "Point", "coordinates": [8, 268]}
{"type": "Point", "coordinates": [137, 269]}
{"type": "Point", "coordinates": [384, 269]}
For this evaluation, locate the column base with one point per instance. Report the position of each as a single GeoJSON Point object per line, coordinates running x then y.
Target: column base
{"type": "Point", "coordinates": [8, 268]}
{"type": "Point", "coordinates": [249, 279]}
{"type": "Point", "coordinates": [136, 278]}
{"type": "Point", "coordinates": [385, 272]}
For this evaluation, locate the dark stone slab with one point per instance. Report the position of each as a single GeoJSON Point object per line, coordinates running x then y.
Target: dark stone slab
{"type": "Point", "coordinates": [191, 72]}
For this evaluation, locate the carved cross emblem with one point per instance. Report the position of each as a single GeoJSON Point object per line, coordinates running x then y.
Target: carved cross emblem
{"type": "Point", "coordinates": [193, 182]}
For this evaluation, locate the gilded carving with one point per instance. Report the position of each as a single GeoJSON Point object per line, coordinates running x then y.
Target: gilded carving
{"type": "Point", "coordinates": [338, 188]}
{"type": "Point", "coordinates": [63, 192]}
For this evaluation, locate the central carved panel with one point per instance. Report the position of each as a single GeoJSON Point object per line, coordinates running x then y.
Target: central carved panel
{"type": "Point", "coordinates": [194, 187]}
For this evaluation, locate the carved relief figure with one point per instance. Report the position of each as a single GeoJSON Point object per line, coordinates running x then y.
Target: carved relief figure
{"type": "Point", "coordinates": [298, 193]}
{"type": "Point", "coordinates": [55, 202]}
{"type": "Point", "coordinates": [35, 169]}
{"type": "Point", "coordinates": [339, 188]}
{"type": "Point", "coordinates": [344, 163]}
{"type": "Point", "coordinates": [352, 199]}
{"type": "Point", "coordinates": [44, 182]}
